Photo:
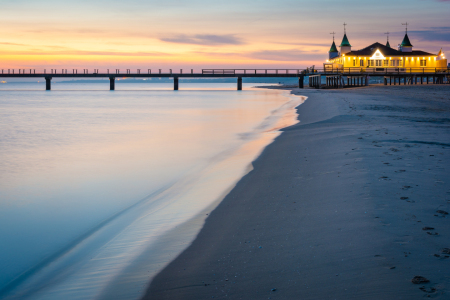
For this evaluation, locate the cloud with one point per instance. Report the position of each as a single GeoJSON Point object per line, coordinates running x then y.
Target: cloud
{"type": "Point", "coordinates": [204, 39]}
{"type": "Point", "coordinates": [83, 52]}
{"type": "Point", "coordinates": [284, 55]}
{"type": "Point", "coordinates": [438, 34]}
{"type": "Point", "coordinates": [12, 44]}
{"type": "Point", "coordinates": [217, 54]}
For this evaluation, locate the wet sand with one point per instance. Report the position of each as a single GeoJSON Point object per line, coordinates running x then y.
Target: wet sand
{"type": "Point", "coordinates": [351, 203]}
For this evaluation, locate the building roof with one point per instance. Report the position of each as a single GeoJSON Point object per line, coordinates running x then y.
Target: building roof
{"type": "Point", "coordinates": [406, 42]}
{"type": "Point", "coordinates": [386, 51]}
{"type": "Point", "coordinates": [333, 48]}
{"type": "Point", "coordinates": [345, 41]}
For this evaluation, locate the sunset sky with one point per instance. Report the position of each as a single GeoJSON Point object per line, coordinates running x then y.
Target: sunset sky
{"type": "Point", "coordinates": [203, 34]}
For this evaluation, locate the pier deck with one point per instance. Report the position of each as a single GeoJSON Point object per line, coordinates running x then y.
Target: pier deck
{"type": "Point", "coordinates": [335, 78]}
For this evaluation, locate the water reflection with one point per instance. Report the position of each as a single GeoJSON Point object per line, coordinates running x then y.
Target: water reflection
{"type": "Point", "coordinates": [90, 180]}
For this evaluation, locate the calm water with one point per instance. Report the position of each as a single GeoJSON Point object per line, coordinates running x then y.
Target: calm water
{"type": "Point", "coordinates": [99, 190]}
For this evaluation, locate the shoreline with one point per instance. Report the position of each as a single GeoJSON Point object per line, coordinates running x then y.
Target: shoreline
{"type": "Point", "coordinates": [334, 207]}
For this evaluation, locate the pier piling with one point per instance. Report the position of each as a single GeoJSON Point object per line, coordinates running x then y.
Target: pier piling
{"type": "Point", "coordinates": [112, 83]}
{"type": "Point", "coordinates": [239, 84]}
{"type": "Point", "coordinates": [48, 83]}
{"type": "Point", "coordinates": [300, 82]}
{"type": "Point", "coordinates": [175, 83]}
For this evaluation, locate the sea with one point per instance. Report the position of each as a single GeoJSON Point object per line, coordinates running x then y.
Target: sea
{"type": "Point", "coordinates": [99, 189]}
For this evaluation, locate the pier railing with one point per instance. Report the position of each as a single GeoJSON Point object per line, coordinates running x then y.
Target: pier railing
{"type": "Point", "coordinates": [253, 71]}
{"type": "Point", "coordinates": [380, 70]}
{"type": "Point", "coordinates": [375, 71]}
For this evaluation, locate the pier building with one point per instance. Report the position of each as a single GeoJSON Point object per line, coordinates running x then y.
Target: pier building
{"type": "Point", "coordinates": [381, 58]}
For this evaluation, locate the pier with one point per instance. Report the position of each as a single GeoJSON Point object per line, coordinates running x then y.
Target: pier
{"type": "Point", "coordinates": [334, 78]}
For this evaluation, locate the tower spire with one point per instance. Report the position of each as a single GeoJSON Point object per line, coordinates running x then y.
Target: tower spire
{"type": "Point", "coordinates": [345, 30]}
{"type": "Point", "coordinates": [387, 43]}
{"type": "Point", "coordinates": [406, 29]}
{"type": "Point", "coordinates": [406, 46]}
{"type": "Point", "coordinates": [333, 33]}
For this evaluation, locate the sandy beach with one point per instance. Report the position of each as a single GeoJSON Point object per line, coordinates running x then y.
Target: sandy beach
{"type": "Point", "coordinates": [350, 203]}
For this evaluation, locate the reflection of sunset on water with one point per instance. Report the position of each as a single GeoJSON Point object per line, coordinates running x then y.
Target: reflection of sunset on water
{"type": "Point", "coordinates": [72, 159]}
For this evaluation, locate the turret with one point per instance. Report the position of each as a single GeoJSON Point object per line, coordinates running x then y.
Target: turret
{"type": "Point", "coordinates": [388, 45]}
{"type": "Point", "coordinates": [333, 51]}
{"type": "Point", "coordinates": [405, 46]}
{"type": "Point", "coordinates": [441, 61]}
{"type": "Point", "coordinates": [345, 45]}
{"type": "Point", "coordinates": [440, 55]}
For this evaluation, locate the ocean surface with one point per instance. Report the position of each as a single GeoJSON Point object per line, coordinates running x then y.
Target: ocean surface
{"type": "Point", "coordinates": [99, 190]}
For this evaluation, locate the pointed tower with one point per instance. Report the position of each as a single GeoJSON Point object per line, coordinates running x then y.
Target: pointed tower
{"type": "Point", "coordinates": [405, 46]}
{"type": "Point", "coordinates": [333, 50]}
{"type": "Point", "coordinates": [345, 44]}
{"type": "Point", "coordinates": [387, 43]}
{"type": "Point", "coordinates": [441, 61]}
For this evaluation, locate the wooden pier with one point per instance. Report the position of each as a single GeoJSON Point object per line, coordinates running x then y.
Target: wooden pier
{"type": "Point", "coordinates": [334, 78]}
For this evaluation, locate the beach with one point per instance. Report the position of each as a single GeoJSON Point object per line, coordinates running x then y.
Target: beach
{"type": "Point", "coordinates": [350, 203]}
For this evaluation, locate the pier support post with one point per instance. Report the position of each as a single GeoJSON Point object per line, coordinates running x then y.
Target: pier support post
{"type": "Point", "coordinates": [239, 84]}
{"type": "Point", "coordinates": [300, 81]}
{"type": "Point", "coordinates": [48, 83]}
{"type": "Point", "coordinates": [175, 83]}
{"type": "Point", "coordinates": [112, 83]}
{"type": "Point", "coordinates": [367, 80]}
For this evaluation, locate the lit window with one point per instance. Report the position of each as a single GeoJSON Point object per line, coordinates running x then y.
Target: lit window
{"type": "Point", "coordinates": [354, 62]}
{"type": "Point", "coordinates": [361, 63]}
{"type": "Point", "coordinates": [423, 63]}
{"type": "Point", "coordinates": [386, 63]}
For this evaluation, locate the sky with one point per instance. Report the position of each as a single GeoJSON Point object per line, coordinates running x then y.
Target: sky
{"type": "Point", "coordinates": [196, 34]}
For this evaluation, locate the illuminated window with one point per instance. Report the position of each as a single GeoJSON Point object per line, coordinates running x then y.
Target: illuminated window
{"type": "Point", "coordinates": [400, 63]}
{"type": "Point", "coordinates": [361, 63]}
{"type": "Point", "coordinates": [423, 63]}
{"type": "Point", "coordinates": [378, 62]}
{"type": "Point", "coordinates": [354, 62]}
{"type": "Point", "coordinates": [371, 63]}
{"type": "Point", "coordinates": [386, 63]}
{"type": "Point", "coordinates": [392, 63]}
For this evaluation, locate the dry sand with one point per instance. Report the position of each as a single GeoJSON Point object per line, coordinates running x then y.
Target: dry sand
{"type": "Point", "coordinates": [336, 208]}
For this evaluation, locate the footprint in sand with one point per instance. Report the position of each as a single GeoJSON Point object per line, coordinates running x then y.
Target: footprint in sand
{"type": "Point", "coordinates": [419, 280]}
{"type": "Point", "coordinates": [430, 290]}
